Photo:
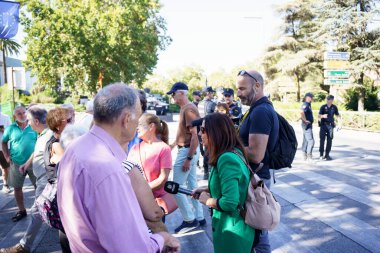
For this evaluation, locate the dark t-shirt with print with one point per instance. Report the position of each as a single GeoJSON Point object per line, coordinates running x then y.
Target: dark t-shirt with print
{"type": "Point", "coordinates": [262, 119]}
{"type": "Point", "coordinates": [306, 108]}
{"type": "Point", "coordinates": [330, 111]}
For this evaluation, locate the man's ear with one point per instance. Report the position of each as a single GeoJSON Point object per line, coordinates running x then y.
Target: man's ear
{"type": "Point", "coordinates": [36, 121]}
{"type": "Point", "coordinates": [125, 117]}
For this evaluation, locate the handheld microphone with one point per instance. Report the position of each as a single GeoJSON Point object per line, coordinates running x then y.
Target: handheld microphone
{"type": "Point", "coordinates": [174, 188]}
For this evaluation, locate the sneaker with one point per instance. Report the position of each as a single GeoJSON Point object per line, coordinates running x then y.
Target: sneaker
{"type": "Point", "coordinates": [327, 158]}
{"type": "Point", "coordinates": [202, 222]}
{"type": "Point", "coordinates": [15, 249]}
{"type": "Point", "coordinates": [6, 189]}
{"type": "Point", "coordinates": [19, 215]}
{"type": "Point", "coordinates": [186, 227]}
{"type": "Point", "coordinates": [309, 158]}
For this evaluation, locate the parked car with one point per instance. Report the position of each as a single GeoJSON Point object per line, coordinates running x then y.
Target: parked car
{"type": "Point", "coordinates": [157, 103]}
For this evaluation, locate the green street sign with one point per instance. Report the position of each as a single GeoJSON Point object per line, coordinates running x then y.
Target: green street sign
{"type": "Point", "coordinates": [336, 81]}
{"type": "Point", "coordinates": [337, 73]}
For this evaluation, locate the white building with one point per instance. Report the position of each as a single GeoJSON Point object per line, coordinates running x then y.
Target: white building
{"type": "Point", "coordinates": [16, 74]}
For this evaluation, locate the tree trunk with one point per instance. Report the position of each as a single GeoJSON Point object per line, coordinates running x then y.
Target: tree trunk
{"type": "Point", "coordinates": [361, 93]}
{"type": "Point", "coordinates": [5, 67]}
{"type": "Point", "coordinates": [298, 88]}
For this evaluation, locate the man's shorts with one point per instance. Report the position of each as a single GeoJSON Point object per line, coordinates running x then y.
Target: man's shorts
{"type": "Point", "coordinates": [3, 163]}
{"type": "Point", "coordinates": [16, 179]}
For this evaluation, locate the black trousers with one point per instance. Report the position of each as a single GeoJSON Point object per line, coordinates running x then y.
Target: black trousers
{"type": "Point", "coordinates": [325, 132]}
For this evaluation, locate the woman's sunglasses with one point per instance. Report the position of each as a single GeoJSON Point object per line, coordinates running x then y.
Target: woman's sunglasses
{"type": "Point", "coordinates": [203, 130]}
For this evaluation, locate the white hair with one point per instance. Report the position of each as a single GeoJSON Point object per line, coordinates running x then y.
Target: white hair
{"type": "Point", "coordinates": [185, 92]}
{"type": "Point", "coordinates": [70, 133]}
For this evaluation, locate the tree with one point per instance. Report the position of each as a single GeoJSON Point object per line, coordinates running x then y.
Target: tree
{"type": "Point", "coordinates": [295, 54]}
{"type": "Point", "coordinates": [8, 46]}
{"type": "Point", "coordinates": [85, 41]}
{"type": "Point", "coordinates": [349, 25]}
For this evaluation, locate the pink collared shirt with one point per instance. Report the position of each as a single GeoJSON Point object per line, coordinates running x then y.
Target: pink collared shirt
{"type": "Point", "coordinates": [97, 204]}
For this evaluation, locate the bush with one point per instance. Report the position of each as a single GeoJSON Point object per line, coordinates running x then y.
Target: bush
{"type": "Point", "coordinates": [174, 108]}
{"type": "Point", "coordinates": [371, 101]}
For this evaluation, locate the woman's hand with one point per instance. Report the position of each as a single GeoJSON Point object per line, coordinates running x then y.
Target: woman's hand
{"type": "Point", "coordinates": [197, 191]}
{"type": "Point", "coordinates": [204, 197]}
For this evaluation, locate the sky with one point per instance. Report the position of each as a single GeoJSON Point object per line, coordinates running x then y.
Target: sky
{"type": "Point", "coordinates": [217, 34]}
{"type": "Point", "coordinates": [213, 34]}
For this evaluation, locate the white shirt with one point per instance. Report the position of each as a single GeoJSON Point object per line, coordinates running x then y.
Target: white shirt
{"type": "Point", "coordinates": [5, 122]}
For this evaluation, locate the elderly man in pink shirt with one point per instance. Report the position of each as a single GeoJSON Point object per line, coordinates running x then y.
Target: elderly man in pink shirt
{"type": "Point", "coordinates": [97, 204]}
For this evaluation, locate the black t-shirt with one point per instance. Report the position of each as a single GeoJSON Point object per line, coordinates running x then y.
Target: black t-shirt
{"type": "Point", "coordinates": [306, 108]}
{"type": "Point", "coordinates": [330, 111]}
{"type": "Point", "coordinates": [262, 119]}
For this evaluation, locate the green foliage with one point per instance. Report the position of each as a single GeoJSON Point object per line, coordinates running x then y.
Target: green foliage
{"type": "Point", "coordinates": [25, 100]}
{"type": "Point", "coordinates": [371, 102]}
{"type": "Point", "coordinates": [83, 40]}
{"type": "Point", "coordinates": [174, 108]}
{"type": "Point", "coordinates": [348, 26]}
{"type": "Point", "coordinates": [295, 54]}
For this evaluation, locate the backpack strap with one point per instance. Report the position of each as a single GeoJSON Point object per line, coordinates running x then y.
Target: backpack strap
{"type": "Point", "coordinates": [261, 165]}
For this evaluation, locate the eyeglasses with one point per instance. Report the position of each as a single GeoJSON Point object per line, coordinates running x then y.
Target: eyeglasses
{"type": "Point", "coordinates": [243, 72]}
{"type": "Point", "coordinates": [173, 94]}
{"type": "Point", "coordinates": [227, 96]}
{"type": "Point", "coordinates": [203, 130]}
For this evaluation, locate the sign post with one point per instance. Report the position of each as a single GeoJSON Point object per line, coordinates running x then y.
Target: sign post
{"type": "Point", "coordinates": [336, 65]}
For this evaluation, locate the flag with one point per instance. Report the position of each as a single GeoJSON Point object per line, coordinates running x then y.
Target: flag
{"type": "Point", "coordinates": [9, 19]}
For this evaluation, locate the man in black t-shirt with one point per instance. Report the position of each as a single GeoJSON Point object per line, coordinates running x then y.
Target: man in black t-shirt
{"type": "Point", "coordinates": [258, 130]}
{"type": "Point", "coordinates": [327, 124]}
{"type": "Point", "coordinates": [307, 127]}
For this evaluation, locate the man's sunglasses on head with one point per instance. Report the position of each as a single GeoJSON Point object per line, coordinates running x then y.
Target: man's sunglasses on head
{"type": "Point", "coordinates": [243, 72]}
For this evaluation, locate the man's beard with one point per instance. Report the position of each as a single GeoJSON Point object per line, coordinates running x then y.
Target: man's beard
{"type": "Point", "coordinates": [22, 121]}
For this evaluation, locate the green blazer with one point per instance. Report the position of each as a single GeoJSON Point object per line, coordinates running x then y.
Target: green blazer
{"type": "Point", "coordinates": [228, 183]}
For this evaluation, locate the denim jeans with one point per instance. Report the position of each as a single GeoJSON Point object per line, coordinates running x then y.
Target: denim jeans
{"type": "Point", "coordinates": [187, 180]}
{"type": "Point", "coordinates": [308, 139]}
{"type": "Point", "coordinates": [263, 246]}
{"type": "Point", "coordinates": [35, 221]}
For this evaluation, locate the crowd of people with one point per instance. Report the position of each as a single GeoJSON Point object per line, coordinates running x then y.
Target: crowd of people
{"type": "Point", "coordinates": [111, 167]}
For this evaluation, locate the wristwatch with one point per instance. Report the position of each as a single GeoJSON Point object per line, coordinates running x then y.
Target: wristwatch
{"type": "Point", "coordinates": [189, 157]}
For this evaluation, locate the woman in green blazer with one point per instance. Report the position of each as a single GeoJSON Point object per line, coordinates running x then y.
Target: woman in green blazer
{"type": "Point", "coordinates": [228, 185]}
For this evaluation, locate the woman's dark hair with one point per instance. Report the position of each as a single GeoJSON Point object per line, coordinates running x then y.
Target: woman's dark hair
{"type": "Point", "coordinates": [162, 129]}
{"type": "Point", "coordinates": [222, 136]}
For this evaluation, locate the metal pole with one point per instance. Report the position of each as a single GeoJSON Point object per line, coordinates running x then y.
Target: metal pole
{"type": "Point", "coordinates": [13, 90]}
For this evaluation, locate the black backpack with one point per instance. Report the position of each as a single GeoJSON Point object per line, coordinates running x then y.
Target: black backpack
{"type": "Point", "coordinates": [285, 149]}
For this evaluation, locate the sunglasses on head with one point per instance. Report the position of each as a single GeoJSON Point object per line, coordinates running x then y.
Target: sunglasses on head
{"type": "Point", "coordinates": [243, 72]}
{"type": "Point", "coordinates": [203, 130]}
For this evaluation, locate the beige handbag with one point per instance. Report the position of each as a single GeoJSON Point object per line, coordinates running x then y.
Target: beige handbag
{"type": "Point", "coordinates": [261, 210]}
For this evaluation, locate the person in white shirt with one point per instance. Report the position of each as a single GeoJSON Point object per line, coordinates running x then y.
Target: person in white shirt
{"type": "Point", "coordinates": [4, 165]}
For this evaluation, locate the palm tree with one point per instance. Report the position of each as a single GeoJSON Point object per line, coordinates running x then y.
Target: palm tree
{"type": "Point", "coordinates": [8, 46]}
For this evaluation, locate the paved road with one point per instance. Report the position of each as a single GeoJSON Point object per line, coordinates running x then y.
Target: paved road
{"type": "Point", "coordinates": [327, 206]}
